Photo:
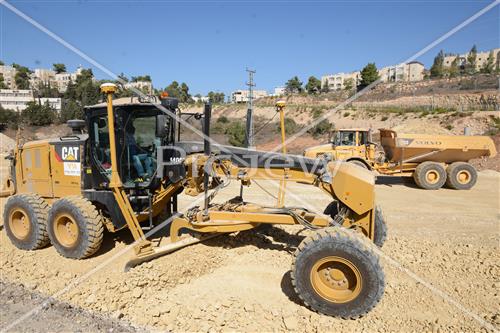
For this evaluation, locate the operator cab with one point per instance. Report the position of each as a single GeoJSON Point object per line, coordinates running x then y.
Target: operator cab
{"type": "Point", "coordinates": [351, 137]}
{"type": "Point", "coordinates": [140, 129]}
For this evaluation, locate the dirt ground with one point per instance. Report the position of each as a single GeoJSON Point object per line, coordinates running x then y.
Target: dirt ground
{"type": "Point", "coordinates": [241, 282]}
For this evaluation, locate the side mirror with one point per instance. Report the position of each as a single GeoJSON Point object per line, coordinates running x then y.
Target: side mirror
{"type": "Point", "coordinates": [161, 126]}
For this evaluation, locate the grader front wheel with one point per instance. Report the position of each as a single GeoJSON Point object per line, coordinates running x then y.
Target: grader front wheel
{"type": "Point", "coordinates": [336, 273]}
{"type": "Point", "coordinates": [75, 227]}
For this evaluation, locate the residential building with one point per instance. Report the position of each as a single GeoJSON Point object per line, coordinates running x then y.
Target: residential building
{"type": "Point", "coordinates": [9, 74]}
{"type": "Point", "coordinates": [338, 81]}
{"type": "Point", "coordinates": [412, 71]}
{"type": "Point", "coordinates": [202, 99]}
{"type": "Point", "coordinates": [481, 58]}
{"type": "Point", "coordinates": [144, 86]}
{"type": "Point", "coordinates": [17, 100]}
{"type": "Point", "coordinates": [241, 96]}
{"type": "Point", "coordinates": [279, 91]}
{"type": "Point", "coordinates": [49, 77]}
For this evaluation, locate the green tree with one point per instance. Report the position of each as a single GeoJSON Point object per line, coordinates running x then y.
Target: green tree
{"type": "Point", "coordinates": [489, 65]}
{"type": "Point", "coordinates": [38, 115]}
{"type": "Point", "coordinates": [293, 86]}
{"type": "Point", "coordinates": [216, 97]}
{"type": "Point", "coordinates": [236, 134]}
{"type": "Point", "coordinates": [437, 68]}
{"type": "Point", "coordinates": [185, 96]}
{"type": "Point", "coordinates": [369, 74]}
{"type": "Point", "coordinates": [2, 63]}
{"type": "Point", "coordinates": [59, 68]}
{"type": "Point", "coordinates": [349, 84]}
{"type": "Point", "coordinates": [22, 77]}
{"type": "Point", "coordinates": [3, 85]}
{"type": "Point", "coordinates": [173, 89]}
{"type": "Point", "coordinates": [70, 110]}
{"type": "Point", "coordinates": [470, 66]}
{"type": "Point", "coordinates": [87, 91]}
{"type": "Point", "coordinates": [46, 90]}
{"type": "Point", "coordinates": [141, 78]}
{"type": "Point", "coordinates": [313, 85]}
{"type": "Point", "coordinates": [325, 88]}
{"type": "Point", "coordinates": [323, 127]}
{"type": "Point", "coordinates": [9, 117]}
{"type": "Point", "coordinates": [454, 70]}
{"type": "Point", "coordinates": [122, 78]}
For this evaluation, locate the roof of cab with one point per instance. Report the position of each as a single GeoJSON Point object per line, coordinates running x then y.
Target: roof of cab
{"type": "Point", "coordinates": [123, 101]}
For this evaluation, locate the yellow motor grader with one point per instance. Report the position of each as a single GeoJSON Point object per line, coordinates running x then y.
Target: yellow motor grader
{"type": "Point", "coordinates": [125, 165]}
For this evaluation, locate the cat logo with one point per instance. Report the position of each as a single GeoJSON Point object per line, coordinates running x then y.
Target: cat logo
{"type": "Point", "coordinates": [69, 153]}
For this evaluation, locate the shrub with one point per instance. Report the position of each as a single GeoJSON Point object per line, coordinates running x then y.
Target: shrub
{"type": "Point", "coordinates": [290, 126]}
{"type": "Point", "coordinates": [9, 117]}
{"type": "Point", "coordinates": [384, 118]}
{"type": "Point", "coordinates": [223, 120]}
{"type": "Point", "coordinates": [449, 127]}
{"type": "Point", "coordinates": [321, 128]}
{"type": "Point", "coordinates": [236, 134]}
{"type": "Point", "coordinates": [346, 114]}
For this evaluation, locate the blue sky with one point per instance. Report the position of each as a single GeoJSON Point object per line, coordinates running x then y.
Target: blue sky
{"type": "Point", "coordinates": [208, 44]}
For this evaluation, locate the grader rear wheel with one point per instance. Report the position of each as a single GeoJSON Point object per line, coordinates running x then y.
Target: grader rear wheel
{"type": "Point", "coordinates": [25, 221]}
{"type": "Point", "coordinates": [75, 227]}
{"type": "Point", "coordinates": [337, 273]}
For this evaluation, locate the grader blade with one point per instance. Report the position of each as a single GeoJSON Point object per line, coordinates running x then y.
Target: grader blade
{"type": "Point", "coordinates": [166, 248]}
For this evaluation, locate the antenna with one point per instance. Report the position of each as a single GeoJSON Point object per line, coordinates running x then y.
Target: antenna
{"type": "Point", "coordinates": [249, 129]}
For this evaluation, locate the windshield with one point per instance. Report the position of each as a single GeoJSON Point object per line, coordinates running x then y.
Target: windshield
{"type": "Point", "coordinates": [344, 138]}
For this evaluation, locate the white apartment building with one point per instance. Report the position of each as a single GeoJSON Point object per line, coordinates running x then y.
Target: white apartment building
{"type": "Point", "coordinates": [241, 96]}
{"type": "Point", "coordinates": [48, 76]}
{"type": "Point", "coordinates": [144, 86]}
{"type": "Point", "coordinates": [338, 81]}
{"type": "Point", "coordinates": [17, 100]}
{"type": "Point", "coordinates": [9, 74]}
{"type": "Point", "coordinates": [279, 91]}
{"type": "Point", "coordinates": [202, 99]}
{"type": "Point", "coordinates": [412, 71]}
{"type": "Point", "coordinates": [481, 59]}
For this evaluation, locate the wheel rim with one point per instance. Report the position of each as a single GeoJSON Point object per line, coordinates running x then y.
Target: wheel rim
{"type": "Point", "coordinates": [336, 279]}
{"type": "Point", "coordinates": [463, 177]}
{"type": "Point", "coordinates": [19, 223]}
{"type": "Point", "coordinates": [432, 176]}
{"type": "Point", "coordinates": [66, 230]}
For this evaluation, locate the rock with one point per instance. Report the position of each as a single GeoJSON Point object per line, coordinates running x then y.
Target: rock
{"type": "Point", "coordinates": [91, 299]}
{"type": "Point", "coordinates": [291, 323]}
{"type": "Point", "coordinates": [137, 292]}
{"type": "Point", "coordinates": [117, 315]}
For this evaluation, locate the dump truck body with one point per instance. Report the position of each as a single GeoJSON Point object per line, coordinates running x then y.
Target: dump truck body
{"type": "Point", "coordinates": [417, 148]}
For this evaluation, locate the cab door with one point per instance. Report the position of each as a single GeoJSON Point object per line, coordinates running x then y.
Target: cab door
{"type": "Point", "coordinates": [345, 145]}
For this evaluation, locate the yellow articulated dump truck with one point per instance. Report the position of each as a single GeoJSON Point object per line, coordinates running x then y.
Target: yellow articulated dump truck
{"type": "Point", "coordinates": [125, 165]}
{"type": "Point", "coordinates": [432, 160]}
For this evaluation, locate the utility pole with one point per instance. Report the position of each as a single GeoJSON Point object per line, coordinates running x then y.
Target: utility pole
{"type": "Point", "coordinates": [249, 127]}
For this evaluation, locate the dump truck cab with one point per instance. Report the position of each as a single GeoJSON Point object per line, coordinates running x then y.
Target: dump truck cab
{"type": "Point", "coordinates": [354, 144]}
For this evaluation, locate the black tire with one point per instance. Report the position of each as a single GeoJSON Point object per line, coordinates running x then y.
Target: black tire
{"type": "Point", "coordinates": [33, 208]}
{"type": "Point", "coordinates": [359, 163]}
{"type": "Point", "coordinates": [423, 173]}
{"type": "Point", "coordinates": [380, 234]}
{"type": "Point", "coordinates": [380, 226]}
{"type": "Point", "coordinates": [88, 233]}
{"type": "Point", "coordinates": [461, 176]}
{"type": "Point", "coordinates": [346, 245]}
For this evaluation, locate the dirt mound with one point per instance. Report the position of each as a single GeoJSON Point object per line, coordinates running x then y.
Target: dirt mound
{"type": "Point", "coordinates": [6, 143]}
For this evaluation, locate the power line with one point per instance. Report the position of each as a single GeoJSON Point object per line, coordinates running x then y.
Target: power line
{"type": "Point", "coordinates": [249, 128]}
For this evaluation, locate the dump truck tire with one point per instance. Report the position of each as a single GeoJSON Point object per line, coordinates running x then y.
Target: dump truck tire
{"type": "Point", "coordinates": [25, 221]}
{"type": "Point", "coordinates": [75, 227]}
{"type": "Point", "coordinates": [461, 176]}
{"type": "Point", "coordinates": [380, 226]}
{"type": "Point", "coordinates": [430, 175]}
{"type": "Point", "coordinates": [358, 163]}
{"type": "Point", "coordinates": [337, 273]}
